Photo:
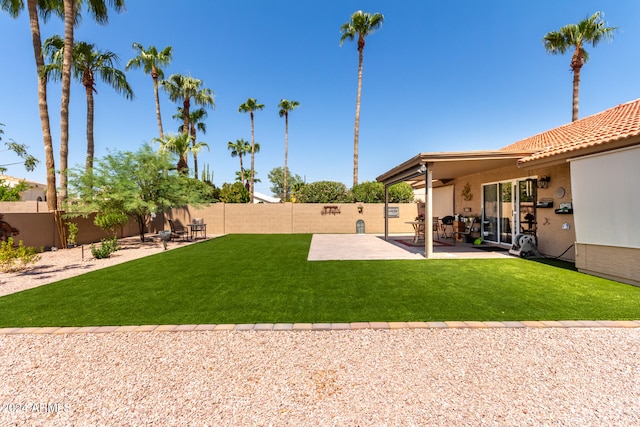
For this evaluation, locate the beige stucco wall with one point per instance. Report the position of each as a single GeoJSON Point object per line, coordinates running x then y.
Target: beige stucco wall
{"type": "Point", "coordinates": [611, 262]}
{"type": "Point", "coordinates": [553, 240]}
{"type": "Point", "coordinates": [228, 218]}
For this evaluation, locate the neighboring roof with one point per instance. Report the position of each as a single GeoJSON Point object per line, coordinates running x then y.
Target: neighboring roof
{"type": "Point", "coordinates": [263, 198]}
{"type": "Point", "coordinates": [613, 128]}
{"type": "Point", "coordinates": [13, 181]}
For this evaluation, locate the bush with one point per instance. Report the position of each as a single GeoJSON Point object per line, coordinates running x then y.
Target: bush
{"type": "Point", "coordinates": [16, 258]}
{"type": "Point", "coordinates": [107, 247]}
{"type": "Point", "coordinates": [323, 192]}
{"type": "Point", "coordinates": [368, 192]}
{"type": "Point", "coordinates": [234, 193]}
{"type": "Point", "coordinates": [401, 193]}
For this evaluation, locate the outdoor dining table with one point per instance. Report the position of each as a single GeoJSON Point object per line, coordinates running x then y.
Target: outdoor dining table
{"type": "Point", "coordinates": [197, 228]}
{"type": "Point", "coordinates": [418, 229]}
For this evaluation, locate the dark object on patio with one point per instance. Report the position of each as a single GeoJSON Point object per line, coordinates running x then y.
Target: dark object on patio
{"type": "Point", "coordinates": [178, 231]}
{"type": "Point", "coordinates": [447, 221]}
{"type": "Point", "coordinates": [491, 248]}
{"type": "Point", "coordinates": [468, 229]}
{"type": "Point", "coordinates": [165, 236]}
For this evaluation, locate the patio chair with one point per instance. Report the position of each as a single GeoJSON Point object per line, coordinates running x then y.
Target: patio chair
{"type": "Point", "coordinates": [178, 231]}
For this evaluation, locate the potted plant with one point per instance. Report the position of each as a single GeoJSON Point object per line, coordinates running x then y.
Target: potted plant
{"type": "Point", "coordinates": [72, 235]}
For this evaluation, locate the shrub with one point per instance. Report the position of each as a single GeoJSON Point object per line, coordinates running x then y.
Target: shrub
{"type": "Point", "coordinates": [107, 247]}
{"type": "Point", "coordinates": [401, 193]}
{"type": "Point", "coordinates": [323, 192]}
{"type": "Point", "coordinates": [16, 258]}
{"type": "Point", "coordinates": [368, 192]}
{"type": "Point", "coordinates": [234, 193]}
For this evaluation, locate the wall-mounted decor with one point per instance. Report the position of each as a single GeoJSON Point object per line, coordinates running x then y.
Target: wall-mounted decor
{"type": "Point", "coordinates": [466, 193]}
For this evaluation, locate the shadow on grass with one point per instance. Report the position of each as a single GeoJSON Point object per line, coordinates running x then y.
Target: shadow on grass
{"type": "Point", "coordinates": [554, 262]}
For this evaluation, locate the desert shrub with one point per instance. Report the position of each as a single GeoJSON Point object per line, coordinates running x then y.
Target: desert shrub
{"type": "Point", "coordinates": [323, 192]}
{"type": "Point", "coordinates": [106, 248]}
{"type": "Point", "coordinates": [16, 258]}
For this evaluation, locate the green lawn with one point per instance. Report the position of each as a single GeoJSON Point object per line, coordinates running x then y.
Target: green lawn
{"type": "Point", "coordinates": [266, 278]}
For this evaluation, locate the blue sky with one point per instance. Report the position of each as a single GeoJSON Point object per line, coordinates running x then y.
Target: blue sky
{"type": "Point", "coordinates": [438, 76]}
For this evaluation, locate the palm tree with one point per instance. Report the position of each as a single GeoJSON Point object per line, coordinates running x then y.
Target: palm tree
{"type": "Point", "coordinates": [361, 24]}
{"type": "Point", "coordinates": [180, 144]}
{"type": "Point", "coordinates": [14, 7]}
{"type": "Point", "coordinates": [590, 30]}
{"type": "Point", "coordinates": [196, 123]}
{"type": "Point", "coordinates": [98, 10]}
{"type": "Point", "coordinates": [181, 88]}
{"type": "Point", "coordinates": [87, 64]}
{"type": "Point", "coordinates": [286, 106]}
{"type": "Point", "coordinates": [239, 149]}
{"type": "Point", "coordinates": [151, 61]}
{"type": "Point", "coordinates": [250, 107]}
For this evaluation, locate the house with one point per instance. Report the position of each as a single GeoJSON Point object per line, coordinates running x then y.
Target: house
{"type": "Point", "coordinates": [263, 198]}
{"type": "Point", "coordinates": [37, 192]}
{"type": "Point", "coordinates": [574, 188]}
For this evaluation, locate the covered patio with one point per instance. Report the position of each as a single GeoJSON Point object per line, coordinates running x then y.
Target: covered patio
{"type": "Point", "coordinates": [430, 170]}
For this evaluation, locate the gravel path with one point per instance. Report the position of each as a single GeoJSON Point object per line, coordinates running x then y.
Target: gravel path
{"type": "Point", "coordinates": [515, 377]}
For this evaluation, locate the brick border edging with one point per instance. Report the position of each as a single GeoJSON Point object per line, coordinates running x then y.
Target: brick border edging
{"type": "Point", "coordinates": [53, 330]}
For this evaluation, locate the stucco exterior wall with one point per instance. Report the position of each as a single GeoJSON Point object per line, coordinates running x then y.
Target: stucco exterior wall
{"type": "Point", "coordinates": [228, 218]}
{"type": "Point", "coordinates": [611, 262]}
{"type": "Point", "coordinates": [553, 240]}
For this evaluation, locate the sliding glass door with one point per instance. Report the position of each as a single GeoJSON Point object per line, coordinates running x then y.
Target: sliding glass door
{"type": "Point", "coordinates": [503, 203]}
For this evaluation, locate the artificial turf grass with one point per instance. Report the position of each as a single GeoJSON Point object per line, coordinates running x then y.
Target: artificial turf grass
{"type": "Point", "coordinates": [266, 278]}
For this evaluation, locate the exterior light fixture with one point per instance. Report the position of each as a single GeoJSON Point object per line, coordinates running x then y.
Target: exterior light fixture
{"type": "Point", "coordinates": [543, 182]}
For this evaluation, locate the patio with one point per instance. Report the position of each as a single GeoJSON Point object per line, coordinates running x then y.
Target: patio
{"type": "Point", "coordinates": [333, 247]}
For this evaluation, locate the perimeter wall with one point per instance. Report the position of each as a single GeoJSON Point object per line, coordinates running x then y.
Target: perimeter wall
{"type": "Point", "coordinates": [38, 228]}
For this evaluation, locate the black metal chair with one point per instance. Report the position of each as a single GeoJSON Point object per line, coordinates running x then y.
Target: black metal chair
{"type": "Point", "coordinates": [178, 231]}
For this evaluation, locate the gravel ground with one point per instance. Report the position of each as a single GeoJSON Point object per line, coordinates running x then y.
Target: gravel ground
{"type": "Point", "coordinates": [497, 377]}
{"type": "Point", "coordinates": [526, 376]}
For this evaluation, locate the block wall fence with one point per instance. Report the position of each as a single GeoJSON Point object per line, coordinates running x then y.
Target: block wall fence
{"type": "Point", "coordinates": [37, 228]}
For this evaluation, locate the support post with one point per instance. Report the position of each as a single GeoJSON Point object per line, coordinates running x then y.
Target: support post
{"type": "Point", "coordinates": [428, 213]}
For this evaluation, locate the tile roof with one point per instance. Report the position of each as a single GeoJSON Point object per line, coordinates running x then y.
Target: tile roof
{"type": "Point", "coordinates": [611, 125]}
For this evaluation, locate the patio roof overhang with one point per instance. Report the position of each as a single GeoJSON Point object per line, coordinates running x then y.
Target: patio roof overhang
{"type": "Point", "coordinates": [425, 169]}
{"type": "Point", "coordinates": [445, 167]}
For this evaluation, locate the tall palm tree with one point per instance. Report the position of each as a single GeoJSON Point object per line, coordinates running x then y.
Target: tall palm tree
{"type": "Point", "coordinates": [361, 25]}
{"type": "Point", "coordinates": [180, 144]}
{"type": "Point", "coordinates": [14, 7]}
{"type": "Point", "coordinates": [590, 30]}
{"type": "Point", "coordinates": [88, 62]}
{"type": "Point", "coordinates": [250, 107]}
{"type": "Point", "coordinates": [151, 61]}
{"type": "Point", "coordinates": [196, 123]}
{"type": "Point", "coordinates": [239, 149]}
{"type": "Point", "coordinates": [181, 88]}
{"type": "Point", "coordinates": [286, 106]}
{"type": "Point", "coordinates": [98, 10]}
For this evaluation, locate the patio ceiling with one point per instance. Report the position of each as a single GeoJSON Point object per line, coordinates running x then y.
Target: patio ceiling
{"type": "Point", "coordinates": [446, 167]}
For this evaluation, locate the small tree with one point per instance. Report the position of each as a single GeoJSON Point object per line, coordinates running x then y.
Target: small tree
{"type": "Point", "coordinates": [10, 193]}
{"type": "Point", "coordinates": [276, 177]}
{"type": "Point", "coordinates": [134, 184]}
